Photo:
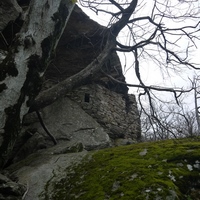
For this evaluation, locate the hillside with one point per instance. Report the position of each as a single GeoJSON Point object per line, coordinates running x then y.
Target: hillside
{"type": "Point", "coordinates": [154, 170]}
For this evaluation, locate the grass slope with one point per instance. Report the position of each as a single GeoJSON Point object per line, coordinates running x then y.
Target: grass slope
{"type": "Point", "coordinates": [155, 170]}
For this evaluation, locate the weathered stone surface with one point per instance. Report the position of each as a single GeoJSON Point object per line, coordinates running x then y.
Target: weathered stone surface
{"type": "Point", "coordinates": [40, 168]}
{"type": "Point", "coordinates": [9, 11]}
{"type": "Point", "coordinates": [113, 173]}
{"type": "Point", "coordinates": [68, 123]}
{"type": "Point", "coordinates": [92, 117]}
{"type": "Point", "coordinates": [30, 142]}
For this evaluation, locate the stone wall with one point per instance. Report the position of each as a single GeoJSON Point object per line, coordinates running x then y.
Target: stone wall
{"type": "Point", "coordinates": [116, 113]}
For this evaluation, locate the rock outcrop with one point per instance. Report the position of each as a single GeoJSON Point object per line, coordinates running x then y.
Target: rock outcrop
{"type": "Point", "coordinates": [97, 115]}
{"type": "Point", "coordinates": [38, 169]}
{"type": "Point", "coordinates": [156, 170]}
{"type": "Point", "coordinates": [100, 113]}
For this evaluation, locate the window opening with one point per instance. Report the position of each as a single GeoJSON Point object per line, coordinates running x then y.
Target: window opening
{"type": "Point", "coordinates": [87, 97]}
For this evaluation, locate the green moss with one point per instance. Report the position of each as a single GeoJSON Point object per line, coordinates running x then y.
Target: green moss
{"type": "Point", "coordinates": [125, 173]}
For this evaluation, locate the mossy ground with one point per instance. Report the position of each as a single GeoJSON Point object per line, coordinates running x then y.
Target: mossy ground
{"type": "Point", "coordinates": [155, 170]}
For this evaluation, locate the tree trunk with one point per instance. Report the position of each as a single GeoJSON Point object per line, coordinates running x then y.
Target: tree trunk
{"type": "Point", "coordinates": [196, 97]}
{"type": "Point", "coordinates": [21, 70]}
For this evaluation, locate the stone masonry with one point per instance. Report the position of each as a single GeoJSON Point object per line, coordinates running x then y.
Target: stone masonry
{"type": "Point", "coordinates": [117, 114]}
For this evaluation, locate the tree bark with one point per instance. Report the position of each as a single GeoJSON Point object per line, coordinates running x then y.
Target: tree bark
{"type": "Point", "coordinates": [25, 63]}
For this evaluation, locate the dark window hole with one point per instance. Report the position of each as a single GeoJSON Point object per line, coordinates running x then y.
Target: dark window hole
{"type": "Point", "coordinates": [87, 97]}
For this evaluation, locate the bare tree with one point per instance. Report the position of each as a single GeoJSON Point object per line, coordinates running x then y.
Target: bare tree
{"type": "Point", "coordinates": [174, 121]}
{"type": "Point", "coordinates": [196, 86]}
{"type": "Point", "coordinates": [148, 37]}
{"type": "Point", "coordinates": [162, 37]}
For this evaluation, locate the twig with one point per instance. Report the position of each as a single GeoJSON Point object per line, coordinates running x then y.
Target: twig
{"type": "Point", "coordinates": [45, 128]}
{"type": "Point", "coordinates": [4, 38]}
{"type": "Point", "coordinates": [25, 193]}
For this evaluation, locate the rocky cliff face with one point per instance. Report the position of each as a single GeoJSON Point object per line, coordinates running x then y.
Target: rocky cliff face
{"type": "Point", "coordinates": [100, 113]}
{"type": "Point", "coordinates": [94, 116]}
{"type": "Point", "coordinates": [97, 115]}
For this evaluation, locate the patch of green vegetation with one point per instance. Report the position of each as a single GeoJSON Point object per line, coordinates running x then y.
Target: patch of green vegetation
{"type": "Point", "coordinates": [156, 170]}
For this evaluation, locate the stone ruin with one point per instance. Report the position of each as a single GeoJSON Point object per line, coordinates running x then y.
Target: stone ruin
{"type": "Point", "coordinates": [103, 99]}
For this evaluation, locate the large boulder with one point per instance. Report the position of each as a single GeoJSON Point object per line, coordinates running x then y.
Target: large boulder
{"type": "Point", "coordinates": [68, 124]}
{"type": "Point", "coordinates": [38, 169]}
